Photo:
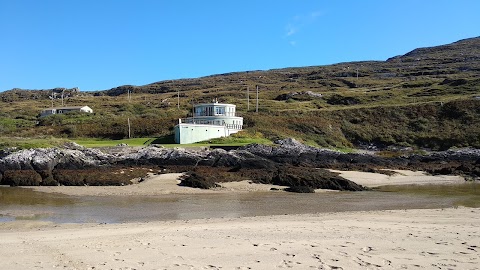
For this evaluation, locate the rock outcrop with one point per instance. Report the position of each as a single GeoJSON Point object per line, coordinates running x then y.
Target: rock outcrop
{"type": "Point", "coordinates": [288, 162]}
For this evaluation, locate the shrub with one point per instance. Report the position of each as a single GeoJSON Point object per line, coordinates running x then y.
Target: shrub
{"type": "Point", "coordinates": [52, 120]}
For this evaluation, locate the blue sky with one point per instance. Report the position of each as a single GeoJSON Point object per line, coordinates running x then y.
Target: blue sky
{"type": "Point", "coordinates": [100, 44]}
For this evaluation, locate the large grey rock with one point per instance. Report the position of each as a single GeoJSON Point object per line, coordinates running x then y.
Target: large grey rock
{"type": "Point", "coordinates": [251, 157]}
{"type": "Point", "coordinates": [46, 159]}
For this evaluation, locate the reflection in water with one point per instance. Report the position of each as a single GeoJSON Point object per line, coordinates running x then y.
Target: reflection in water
{"type": "Point", "coordinates": [24, 204]}
{"type": "Point", "coordinates": [18, 203]}
{"type": "Point", "coordinates": [25, 196]}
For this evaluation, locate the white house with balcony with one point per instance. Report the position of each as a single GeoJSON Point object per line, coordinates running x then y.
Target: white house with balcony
{"type": "Point", "coordinates": [209, 121]}
{"type": "Point", "coordinates": [60, 110]}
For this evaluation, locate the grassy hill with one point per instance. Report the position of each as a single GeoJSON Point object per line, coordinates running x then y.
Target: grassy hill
{"type": "Point", "coordinates": [428, 97]}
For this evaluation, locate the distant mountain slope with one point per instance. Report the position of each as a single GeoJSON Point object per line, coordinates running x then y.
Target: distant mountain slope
{"type": "Point", "coordinates": [465, 50]}
{"type": "Point", "coordinates": [458, 58]}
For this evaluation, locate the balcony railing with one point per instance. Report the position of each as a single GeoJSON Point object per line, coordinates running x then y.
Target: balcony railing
{"type": "Point", "coordinates": [234, 126]}
{"type": "Point", "coordinates": [229, 114]}
{"type": "Point", "coordinates": [209, 122]}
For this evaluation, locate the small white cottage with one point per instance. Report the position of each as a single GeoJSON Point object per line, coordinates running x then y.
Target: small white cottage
{"type": "Point", "coordinates": [60, 110]}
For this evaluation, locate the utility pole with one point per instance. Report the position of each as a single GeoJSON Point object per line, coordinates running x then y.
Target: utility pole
{"type": "Point", "coordinates": [178, 99]}
{"type": "Point", "coordinates": [128, 121]}
{"type": "Point", "coordinates": [256, 110]}
{"type": "Point", "coordinates": [248, 98]}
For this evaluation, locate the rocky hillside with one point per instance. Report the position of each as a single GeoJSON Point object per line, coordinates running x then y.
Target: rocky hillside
{"type": "Point", "coordinates": [461, 58]}
{"type": "Point", "coordinates": [428, 97]}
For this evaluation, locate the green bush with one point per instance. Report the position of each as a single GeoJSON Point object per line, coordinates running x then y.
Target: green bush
{"type": "Point", "coordinates": [52, 120]}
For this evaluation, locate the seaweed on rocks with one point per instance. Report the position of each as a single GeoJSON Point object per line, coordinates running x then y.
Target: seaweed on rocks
{"type": "Point", "coordinates": [95, 177]}
{"type": "Point", "coordinates": [288, 163]}
{"type": "Point", "coordinates": [300, 189]}
{"type": "Point", "coordinates": [195, 180]}
{"type": "Point", "coordinates": [21, 178]}
{"type": "Point", "coordinates": [313, 178]}
{"type": "Point", "coordinates": [297, 178]}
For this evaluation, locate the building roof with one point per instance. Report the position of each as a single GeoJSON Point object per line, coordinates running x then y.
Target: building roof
{"type": "Point", "coordinates": [65, 108]}
{"type": "Point", "coordinates": [214, 104]}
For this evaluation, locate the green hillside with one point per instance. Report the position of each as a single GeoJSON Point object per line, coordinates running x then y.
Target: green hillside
{"type": "Point", "coordinates": [429, 97]}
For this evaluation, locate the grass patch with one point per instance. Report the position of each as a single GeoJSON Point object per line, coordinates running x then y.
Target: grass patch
{"type": "Point", "coordinates": [166, 142]}
{"type": "Point", "coordinates": [237, 141]}
{"type": "Point", "coordinates": [88, 142]}
{"type": "Point", "coordinates": [243, 137]}
{"type": "Point", "coordinates": [345, 150]}
{"type": "Point", "coordinates": [28, 143]}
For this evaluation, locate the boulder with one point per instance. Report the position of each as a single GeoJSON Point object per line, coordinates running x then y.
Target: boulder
{"type": "Point", "coordinates": [313, 178]}
{"type": "Point", "coordinates": [195, 180]}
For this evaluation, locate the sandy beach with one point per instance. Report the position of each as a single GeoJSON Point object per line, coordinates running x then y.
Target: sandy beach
{"type": "Point", "coordinates": [411, 239]}
{"type": "Point", "coordinates": [158, 184]}
{"type": "Point", "coordinates": [401, 177]}
{"type": "Point", "coordinates": [153, 184]}
{"type": "Point", "coordinates": [393, 239]}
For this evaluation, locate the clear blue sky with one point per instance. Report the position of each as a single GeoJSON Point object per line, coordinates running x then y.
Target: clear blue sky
{"type": "Point", "coordinates": [100, 44]}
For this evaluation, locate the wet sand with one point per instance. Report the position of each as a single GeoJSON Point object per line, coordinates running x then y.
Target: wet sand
{"type": "Point", "coordinates": [399, 239]}
{"type": "Point", "coordinates": [152, 185]}
{"type": "Point", "coordinates": [445, 238]}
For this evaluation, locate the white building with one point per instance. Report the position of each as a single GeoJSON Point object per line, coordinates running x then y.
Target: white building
{"type": "Point", "coordinates": [209, 121]}
{"type": "Point", "coordinates": [59, 110]}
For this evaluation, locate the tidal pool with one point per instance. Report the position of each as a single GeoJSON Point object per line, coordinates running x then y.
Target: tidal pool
{"type": "Point", "coordinates": [20, 203]}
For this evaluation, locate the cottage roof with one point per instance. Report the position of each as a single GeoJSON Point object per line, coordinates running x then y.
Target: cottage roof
{"type": "Point", "coordinates": [65, 108]}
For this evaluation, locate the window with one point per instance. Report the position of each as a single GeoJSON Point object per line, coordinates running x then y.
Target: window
{"type": "Point", "coordinates": [219, 110]}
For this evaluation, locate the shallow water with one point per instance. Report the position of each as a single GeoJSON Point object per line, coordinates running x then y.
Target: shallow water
{"type": "Point", "coordinates": [19, 204]}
